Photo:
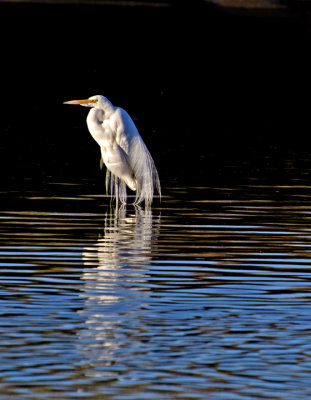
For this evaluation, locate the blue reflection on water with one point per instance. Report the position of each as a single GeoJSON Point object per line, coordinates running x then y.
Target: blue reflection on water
{"type": "Point", "coordinates": [168, 303]}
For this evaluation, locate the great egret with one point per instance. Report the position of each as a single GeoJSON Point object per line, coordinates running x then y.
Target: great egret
{"type": "Point", "coordinates": [123, 151]}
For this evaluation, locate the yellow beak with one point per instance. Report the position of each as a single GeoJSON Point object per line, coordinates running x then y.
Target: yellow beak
{"type": "Point", "coordinates": [80, 102]}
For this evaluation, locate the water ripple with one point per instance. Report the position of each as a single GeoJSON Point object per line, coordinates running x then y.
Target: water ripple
{"type": "Point", "coordinates": [205, 296]}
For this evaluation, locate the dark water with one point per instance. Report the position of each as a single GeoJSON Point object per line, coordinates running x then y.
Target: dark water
{"type": "Point", "coordinates": [206, 296]}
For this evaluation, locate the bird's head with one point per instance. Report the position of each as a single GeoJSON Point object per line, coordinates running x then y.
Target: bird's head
{"type": "Point", "coordinates": [90, 102]}
{"type": "Point", "coordinates": [94, 101]}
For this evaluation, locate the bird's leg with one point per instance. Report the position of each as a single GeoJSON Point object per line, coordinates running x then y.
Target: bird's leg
{"type": "Point", "coordinates": [117, 192]}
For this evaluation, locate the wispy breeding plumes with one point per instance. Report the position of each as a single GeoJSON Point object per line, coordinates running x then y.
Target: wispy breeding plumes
{"type": "Point", "coordinates": [123, 151]}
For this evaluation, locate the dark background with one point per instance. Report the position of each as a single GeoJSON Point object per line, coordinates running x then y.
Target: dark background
{"type": "Point", "coordinates": [206, 87]}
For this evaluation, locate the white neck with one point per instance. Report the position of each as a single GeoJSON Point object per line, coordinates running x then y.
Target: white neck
{"type": "Point", "coordinates": [95, 120]}
{"type": "Point", "coordinates": [106, 107]}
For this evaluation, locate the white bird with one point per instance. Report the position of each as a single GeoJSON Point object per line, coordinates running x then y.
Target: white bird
{"type": "Point", "coordinates": [123, 151]}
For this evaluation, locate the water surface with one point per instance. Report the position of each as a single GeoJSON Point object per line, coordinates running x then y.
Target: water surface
{"type": "Point", "coordinates": [206, 295]}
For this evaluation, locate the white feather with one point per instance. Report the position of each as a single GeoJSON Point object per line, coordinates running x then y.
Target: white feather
{"type": "Point", "coordinates": [124, 152]}
{"type": "Point", "coordinates": [145, 171]}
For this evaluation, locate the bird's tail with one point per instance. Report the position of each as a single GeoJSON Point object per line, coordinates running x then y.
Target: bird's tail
{"type": "Point", "coordinates": [145, 171]}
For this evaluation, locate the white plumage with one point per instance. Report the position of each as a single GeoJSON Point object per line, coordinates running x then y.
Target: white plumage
{"type": "Point", "coordinates": [123, 151]}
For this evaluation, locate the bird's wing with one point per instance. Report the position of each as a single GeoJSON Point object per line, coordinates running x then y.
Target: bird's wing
{"type": "Point", "coordinates": [138, 157]}
{"type": "Point", "coordinates": [125, 129]}
{"type": "Point", "coordinates": [117, 161]}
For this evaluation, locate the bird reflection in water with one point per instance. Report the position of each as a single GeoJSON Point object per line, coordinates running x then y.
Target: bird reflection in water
{"type": "Point", "coordinates": [115, 267]}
